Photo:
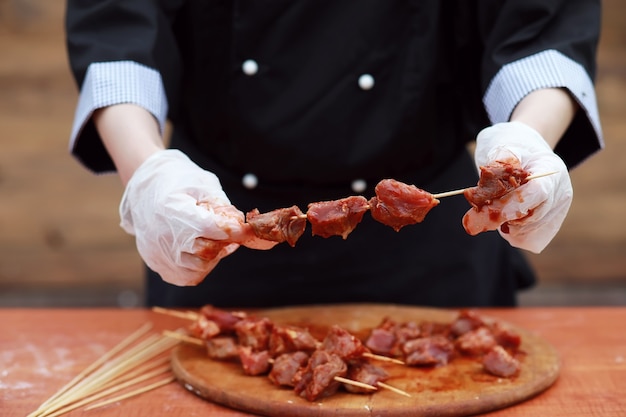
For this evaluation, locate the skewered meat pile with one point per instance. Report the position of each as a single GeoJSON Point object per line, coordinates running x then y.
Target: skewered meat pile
{"type": "Point", "coordinates": [436, 344]}
{"type": "Point", "coordinates": [289, 355]}
{"type": "Point", "coordinates": [396, 205]}
{"type": "Point", "coordinates": [292, 357]}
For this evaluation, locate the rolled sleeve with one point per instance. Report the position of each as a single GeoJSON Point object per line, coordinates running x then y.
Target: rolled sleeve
{"type": "Point", "coordinates": [547, 69]}
{"type": "Point", "coordinates": [106, 84]}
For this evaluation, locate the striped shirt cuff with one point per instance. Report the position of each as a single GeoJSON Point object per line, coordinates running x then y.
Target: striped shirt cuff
{"type": "Point", "coordinates": [547, 69]}
{"type": "Point", "coordinates": [109, 83]}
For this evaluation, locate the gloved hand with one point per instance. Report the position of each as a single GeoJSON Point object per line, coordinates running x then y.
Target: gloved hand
{"type": "Point", "coordinates": [530, 216]}
{"type": "Point", "coordinates": [181, 218]}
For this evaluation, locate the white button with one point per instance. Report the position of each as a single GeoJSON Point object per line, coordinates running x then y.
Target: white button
{"type": "Point", "coordinates": [250, 67]}
{"type": "Point", "coordinates": [358, 186]}
{"type": "Point", "coordinates": [366, 82]}
{"type": "Point", "coordinates": [250, 181]}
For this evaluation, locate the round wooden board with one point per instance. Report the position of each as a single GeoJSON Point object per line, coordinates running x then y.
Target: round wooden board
{"type": "Point", "coordinates": [458, 389]}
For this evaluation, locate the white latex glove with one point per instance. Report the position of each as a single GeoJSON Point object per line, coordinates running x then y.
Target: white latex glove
{"type": "Point", "coordinates": [535, 211]}
{"type": "Point", "coordinates": [181, 218]}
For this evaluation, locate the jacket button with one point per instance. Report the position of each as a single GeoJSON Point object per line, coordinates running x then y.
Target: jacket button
{"type": "Point", "coordinates": [366, 82]}
{"type": "Point", "coordinates": [358, 186]}
{"type": "Point", "coordinates": [250, 67]}
{"type": "Point", "coordinates": [250, 181]}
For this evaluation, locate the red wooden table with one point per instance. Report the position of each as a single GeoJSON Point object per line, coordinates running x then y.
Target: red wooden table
{"type": "Point", "coordinates": [43, 349]}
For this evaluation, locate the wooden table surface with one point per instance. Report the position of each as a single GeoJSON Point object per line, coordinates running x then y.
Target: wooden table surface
{"type": "Point", "coordinates": [43, 349]}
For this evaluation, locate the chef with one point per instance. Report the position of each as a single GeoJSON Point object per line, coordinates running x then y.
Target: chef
{"type": "Point", "coordinates": [289, 102]}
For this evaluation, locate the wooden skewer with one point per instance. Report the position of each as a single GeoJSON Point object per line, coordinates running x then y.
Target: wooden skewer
{"type": "Point", "coordinates": [137, 371]}
{"type": "Point", "coordinates": [394, 389]}
{"type": "Point", "coordinates": [449, 193]}
{"type": "Point", "coordinates": [545, 174]}
{"type": "Point", "coordinates": [355, 383]}
{"type": "Point", "coordinates": [383, 358]}
{"type": "Point", "coordinates": [81, 401]}
{"type": "Point", "coordinates": [118, 366]}
{"type": "Point", "coordinates": [183, 337]}
{"type": "Point", "coordinates": [461, 191]}
{"type": "Point", "coordinates": [133, 393]}
{"type": "Point", "coordinates": [91, 368]}
{"type": "Point", "coordinates": [189, 315]}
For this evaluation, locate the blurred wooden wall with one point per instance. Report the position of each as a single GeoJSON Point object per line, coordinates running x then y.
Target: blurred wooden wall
{"type": "Point", "coordinates": [59, 237]}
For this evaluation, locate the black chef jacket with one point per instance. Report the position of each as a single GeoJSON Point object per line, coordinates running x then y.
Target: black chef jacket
{"type": "Point", "coordinates": [306, 130]}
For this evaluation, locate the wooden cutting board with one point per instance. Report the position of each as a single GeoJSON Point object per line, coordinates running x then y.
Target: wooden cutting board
{"type": "Point", "coordinates": [458, 389]}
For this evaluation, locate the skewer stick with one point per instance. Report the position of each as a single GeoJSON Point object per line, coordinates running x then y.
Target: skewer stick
{"type": "Point", "coordinates": [355, 383]}
{"type": "Point", "coordinates": [81, 401]}
{"type": "Point", "coordinates": [545, 174]}
{"type": "Point", "coordinates": [132, 393]}
{"type": "Point", "coordinates": [189, 315]}
{"type": "Point", "coordinates": [462, 190]}
{"type": "Point", "coordinates": [449, 193]}
{"type": "Point", "coordinates": [136, 372]}
{"type": "Point", "coordinates": [383, 358]}
{"type": "Point", "coordinates": [91, 368]}
{"type": "Point", "coordinates": [394, 389]}
{"type": "Point", "coordinates": [183, 337]}
{"type": "Point", "coordinates": [299, 216]}
{"type": "Point", "coordinates": [110, 370]}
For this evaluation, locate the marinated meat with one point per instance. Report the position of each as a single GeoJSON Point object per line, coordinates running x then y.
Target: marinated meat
{"type": "Point", "coordinates": [476, 342]}
{"type": "Point", "coordinates": [203, 328]}
{"type": "Point", "coordinates": [239, 232]}
{"type": "Point", "coordinates": [342, 343]}
{"type": "Point", "coordinates": [397, 204]}
{"type": "Point", "coordinates": [466, 321]}
{"type": "Point", "coordinates": [222, 348]}
{"type": "Point", "coordinates": [388, 338]}
{"type": "Point", "coordinates": [285, 367]}
{"type": "Point", "coordinates": [428, 351]}
{"type": "Point", "coordinates": [280, 225]}
{"type": "Point", "coordinates": [499, 362]}
{"type": "Point", "coordinates": [336, 217]}
{"type": "Point", "coordinates": [254, 333]}
{"type": "Point", "coordinates": [317, 380]}
{"type": "Point", "coordinates": [224, 320]}
{"type": "Point", "coordinates": [284, 339]}
{"type": "Point", "coordinates": [382, 341]}
{"type": "Point", "coordinates": [404, 332]}
{"type": "Point", "coordinates": [254, 363]}
{"type": "Point", "coordinates": [408, 330]}
{"type": "Point", "coordinates": [366, 373]}
{"type": "Point", "coordinates": [496, 180]}
{"type": "Point", "coordinates": [506, 338]}
{"type": "Point", "coordinates": [431, 328]}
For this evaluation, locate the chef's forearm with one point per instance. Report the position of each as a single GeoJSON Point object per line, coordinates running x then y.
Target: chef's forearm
{"type": "Point", "coordinates": [549, 111]}
{"type": "Point", "coordinates": [130, 134]}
